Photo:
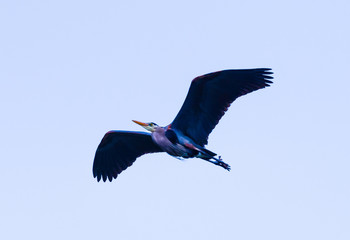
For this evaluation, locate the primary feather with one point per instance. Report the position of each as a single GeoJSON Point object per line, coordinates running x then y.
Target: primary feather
{"type": "Point", "coordinates": [211, 95]}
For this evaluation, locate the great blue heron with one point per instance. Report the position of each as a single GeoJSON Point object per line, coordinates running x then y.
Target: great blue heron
{"type": "Point", "coordinates": [208, 99]}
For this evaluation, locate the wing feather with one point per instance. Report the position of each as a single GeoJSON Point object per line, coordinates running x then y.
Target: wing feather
{"type": "Point", "coordinates": [211, 95]}
{"type": "Point", "coordinates": [118, 150]}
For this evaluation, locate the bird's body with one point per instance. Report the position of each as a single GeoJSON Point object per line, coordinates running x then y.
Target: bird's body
{"type": "Point", "coordinates": [168, 141]}
{"type": "Point", "coordinates": [176, 144]}
{"type": "Point", "coordinates": [208, 99]}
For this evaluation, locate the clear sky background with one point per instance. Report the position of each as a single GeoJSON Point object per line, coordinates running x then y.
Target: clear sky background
{"type": "Point", "coordinates": [72, 70]}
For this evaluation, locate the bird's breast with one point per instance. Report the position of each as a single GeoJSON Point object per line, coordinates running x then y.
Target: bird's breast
{"type": "Point", "coordinates": [169, 141]}
{"type": "Point", "coordinates": [161, 140]}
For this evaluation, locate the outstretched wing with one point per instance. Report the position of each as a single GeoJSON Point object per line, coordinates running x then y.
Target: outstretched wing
{"type": "Point", "coordinates": [118, 150]}
{"type": "Point", "coordinates": [211, 95]}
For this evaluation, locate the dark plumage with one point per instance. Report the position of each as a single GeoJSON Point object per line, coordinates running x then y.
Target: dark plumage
{"type": "Point", "coordinates": [211, 95]}
{"type": "Point", "coordinates": [115, 152]}
{"type": "Point", "coordinates": [208, 99]}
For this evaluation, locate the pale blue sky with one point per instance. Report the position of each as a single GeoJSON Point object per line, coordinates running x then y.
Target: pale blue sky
{"type": "Point", "coordinates": [72, 70]}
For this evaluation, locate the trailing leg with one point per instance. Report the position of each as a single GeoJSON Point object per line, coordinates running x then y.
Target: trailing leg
{"type": "Point", "coordinates": [219, 162]}
{"type": "Point", "coordinates": [216, 161]}
{"type": "Point", "coordinates": [209, 156]}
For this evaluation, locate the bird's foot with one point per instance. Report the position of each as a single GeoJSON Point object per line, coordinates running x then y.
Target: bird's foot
{"type": "Point", "coordinates": [224, 165]}
{"type": "Point", "coordinates": [221, 163]}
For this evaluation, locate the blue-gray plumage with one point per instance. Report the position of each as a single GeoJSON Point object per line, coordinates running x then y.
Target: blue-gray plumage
{"type": "Point", "coordinates": [208, 99]}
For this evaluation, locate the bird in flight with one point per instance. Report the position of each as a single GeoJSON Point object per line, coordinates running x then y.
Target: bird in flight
{"type": "Point", "coordinates": [206, 102]}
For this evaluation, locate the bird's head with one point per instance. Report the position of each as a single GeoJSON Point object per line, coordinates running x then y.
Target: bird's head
{"type": "Point", "coordinates": [148, 126]}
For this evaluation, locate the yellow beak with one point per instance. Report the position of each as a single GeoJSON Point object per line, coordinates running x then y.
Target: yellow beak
{"type": "Point", "coordinates": [140, 123]}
